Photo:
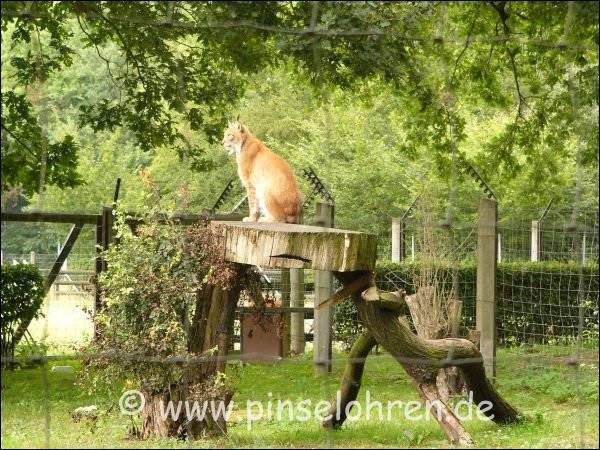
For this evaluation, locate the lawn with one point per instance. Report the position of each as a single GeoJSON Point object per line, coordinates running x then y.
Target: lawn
{"type": "Point", "coordinates": [560, 402]}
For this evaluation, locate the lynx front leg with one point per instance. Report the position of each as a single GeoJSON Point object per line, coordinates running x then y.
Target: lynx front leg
{"type": "Point", "coordinates": [253, 216]}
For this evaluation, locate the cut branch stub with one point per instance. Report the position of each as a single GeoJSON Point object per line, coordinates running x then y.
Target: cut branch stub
{"type": "Point", "coordinates": [394, 301]}
{"type": "Point", "coordinates": [297, 246]}
{"type": "Point", "coordinates": [347, 290]}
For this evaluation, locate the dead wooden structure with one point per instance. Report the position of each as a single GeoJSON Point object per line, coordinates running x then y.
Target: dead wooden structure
{"type": "Point", "coordinates": [351, 257]}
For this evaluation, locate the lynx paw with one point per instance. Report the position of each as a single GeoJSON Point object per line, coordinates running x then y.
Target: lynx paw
{"type": "Point", "coordinates": [249, 219]}
{"type": "Point", "coordinates": [267, 220]}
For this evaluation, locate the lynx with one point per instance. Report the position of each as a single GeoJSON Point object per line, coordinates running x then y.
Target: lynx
{"type": "Point", "coordinates": [273, 194]}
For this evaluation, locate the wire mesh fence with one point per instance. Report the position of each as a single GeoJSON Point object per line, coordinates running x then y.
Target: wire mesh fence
{"type": "Point", "coordinates": [537, 303]}
{"type": "Point", "coordinates": [551, 236]}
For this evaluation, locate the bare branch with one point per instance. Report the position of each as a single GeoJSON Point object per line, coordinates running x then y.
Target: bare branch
{"type": "Point", "coordinates": [501, 10]}
{"type": "Point", "coordinates": [124, 43]}
{"type": "Point", "coordinates": [19, 141]}
{"type": "Point", "coordinates": [106, 60]}
{"type": "Point", "coordinates": [467, 43]}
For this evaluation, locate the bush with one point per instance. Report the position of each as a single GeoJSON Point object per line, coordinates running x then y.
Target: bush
{"type": "Point", "coordinates": [147, 294]}
{"type": "Point", "coordinates": [153, 304]}
{"type": "Point", "coordinates": [537, 302]}
{"type": "Point", "coordinates": [22, 297]}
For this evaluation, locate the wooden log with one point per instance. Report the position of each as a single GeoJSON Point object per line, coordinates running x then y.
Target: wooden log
{"type": "Point", "coordinates": [351, 380]}
{"type": "Point", "coordinates": [422, 358]}
{"type": "Point", "coordinates": [346, 291]}
{"type": "Point", "coordinates": [297, 246]}
{"type": "Point", "coordinates": [297, 343]}
{"type": "Point", "coordinates": [210, 330]}
{"type": "Point", "coordinates": [450, 379]}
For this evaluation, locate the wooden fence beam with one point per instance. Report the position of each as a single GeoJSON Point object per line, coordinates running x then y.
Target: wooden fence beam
{"type": "Point", "coordinates": [62, 256]}
{"type": "Point", "coordinates": [49, 217]}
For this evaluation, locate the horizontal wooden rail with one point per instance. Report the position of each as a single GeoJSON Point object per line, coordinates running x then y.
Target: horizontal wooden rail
{"type": "Point", "coordinates": [71, 272]}
{"type": "Point", "coordinates": [49, 217]}
{"type": "Point", "coordinates": [308, 312]}
{"type": "Point", "coordinates": [73, 283]}
{"type": "Point", "coordinates": [183, 219]}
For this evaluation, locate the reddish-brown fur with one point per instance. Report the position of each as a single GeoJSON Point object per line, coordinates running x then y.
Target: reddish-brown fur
{"type": "Point", "coordinates": [268, 179]}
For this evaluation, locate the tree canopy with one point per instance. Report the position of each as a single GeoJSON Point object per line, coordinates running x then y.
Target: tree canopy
{"type": "Point", "coordinates": [522, 76]}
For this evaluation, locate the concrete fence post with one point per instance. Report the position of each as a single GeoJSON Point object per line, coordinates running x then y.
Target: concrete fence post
{"type": "Point", "coordinates": [486, 283]}
{"type": "Point", "coordinates": [536, 241]}
{"type": "Point", "coordinates": [499, 251]}
{"type": "Point", "coordinates": [398, 252]}
{"type": "Point", "coordinates": [322, 342]}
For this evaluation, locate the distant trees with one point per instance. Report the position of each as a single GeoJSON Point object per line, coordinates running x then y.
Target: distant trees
{"type": "Point", "coordinates": [169, 74]}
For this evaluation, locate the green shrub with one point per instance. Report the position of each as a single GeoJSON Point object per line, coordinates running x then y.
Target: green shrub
{"type": "Point", "coordinates": [22, 297]}
{"type": "Point", "coordinates": [537, 302]}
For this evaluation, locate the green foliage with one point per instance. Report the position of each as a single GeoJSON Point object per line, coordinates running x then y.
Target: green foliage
{"type": "Point", "coordinates": [23, 163]}
{"type": "Point", "coordinates": [182, 66]}
{"type": "Point", "coordinates": [148, 295]}
{"type": "Point", "coordinates": [150, 291]}
{"type": "Point", "coordinates": [22, 287]}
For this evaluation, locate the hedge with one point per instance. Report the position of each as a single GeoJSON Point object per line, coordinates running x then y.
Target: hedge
{"type": "Point", "coordinates": [22, 295]}
{"type": "Point", "coordinates": [537, 302]}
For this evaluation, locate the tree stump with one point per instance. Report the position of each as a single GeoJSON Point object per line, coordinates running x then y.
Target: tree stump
{"type": "Point", "coordinates": [351, 256]}
{"type": "Point", "coordinates": [209, 338]}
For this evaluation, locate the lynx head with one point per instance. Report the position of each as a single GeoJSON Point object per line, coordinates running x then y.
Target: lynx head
{"type": "Point", "coordinates": [234, 137]}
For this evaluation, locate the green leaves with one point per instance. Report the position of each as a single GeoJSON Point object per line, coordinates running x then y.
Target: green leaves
{"type": "Point", "coordinates": [27, 152]}
{"type": "Point", "coordinates": [22, 296]}
{"type": "Point", "coordinates": [181, 66]}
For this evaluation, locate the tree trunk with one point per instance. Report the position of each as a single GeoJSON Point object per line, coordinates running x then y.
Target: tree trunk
{"type": "Point", "coordinates": [351, 379]}
{"type": "Point", "coordinates": [208, 343]}
{"type": "Point", "coordinates": [422, 359]}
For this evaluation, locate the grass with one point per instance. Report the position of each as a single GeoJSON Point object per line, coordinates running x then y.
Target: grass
{"type": "Point", "coordinates": [536, 380]}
